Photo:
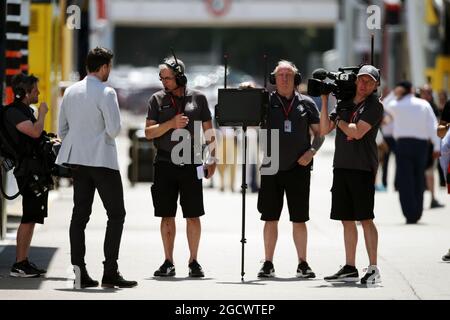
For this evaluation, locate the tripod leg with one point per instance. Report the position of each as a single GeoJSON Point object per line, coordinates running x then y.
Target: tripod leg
{"type": "Point", "coordinates": [244, 188]}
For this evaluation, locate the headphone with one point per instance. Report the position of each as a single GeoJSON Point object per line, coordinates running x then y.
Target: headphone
{"type": "Point", "coordinates": [297, 78]}
{"type": "Point", "coordinates": [19, 93]}
{"type": "Point", "coordinates": [180, 77]}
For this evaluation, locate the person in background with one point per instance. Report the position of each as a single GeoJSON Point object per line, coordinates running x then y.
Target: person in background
{"type": "Point", "coordinates": [414, 127]}
{"type": "Point", "coordinates": [426, 93]}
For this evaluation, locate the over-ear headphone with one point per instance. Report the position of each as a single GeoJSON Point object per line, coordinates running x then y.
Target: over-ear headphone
{"type": "Point", "coordinates": [180, 77]}
{"type": "Point", "coordinates": [297, 78]}
{"type": "Point", "coordinates": [19, 93]}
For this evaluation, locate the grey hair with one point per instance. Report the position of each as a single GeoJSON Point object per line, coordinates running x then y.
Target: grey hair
{"type": "Point", "coordinates": [285, 64]}
{"type": "Point", "coordinates": [171, 61]}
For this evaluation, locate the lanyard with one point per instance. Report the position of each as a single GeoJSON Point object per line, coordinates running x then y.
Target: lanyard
{"type": "Point", "coordinates": [286, 112]}
{"type": "Point", "coordinates": [183, 104]}
{"type": "Point", "coordinates": [175, 105]}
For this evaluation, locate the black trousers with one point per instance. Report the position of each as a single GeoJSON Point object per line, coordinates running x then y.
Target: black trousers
{"type": "Point", "coordinates": [411, 155]}
{"type": "Point", "coordinates": [109, 186]}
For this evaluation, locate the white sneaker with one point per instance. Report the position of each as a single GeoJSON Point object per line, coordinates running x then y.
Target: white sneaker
{"type": "Point", "coordinates": [372, 275]}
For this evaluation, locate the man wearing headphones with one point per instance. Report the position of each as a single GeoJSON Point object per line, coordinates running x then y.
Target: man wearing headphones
{"type": "Point", "coordinates": [294, 116]}
{"type": "Point", "coordinates": [24, 131]}
{"type": "Point", "coordinates": [355, 165]}
{"type": "Point", "coordinates": [174, 111]}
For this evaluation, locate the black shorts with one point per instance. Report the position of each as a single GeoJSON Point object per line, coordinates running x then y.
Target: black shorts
{"type": "Point", "coordinates": [171, 180]}
{"type": "Point", "coordinates": [35, 209]}
{"type": "Point", "coordinates": [352, 195]}
{"type": "Point", "coordinates": [296, 183]}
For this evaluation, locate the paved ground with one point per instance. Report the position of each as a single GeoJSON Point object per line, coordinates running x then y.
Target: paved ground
{"type": "Point", "coordinates": [409, 255]}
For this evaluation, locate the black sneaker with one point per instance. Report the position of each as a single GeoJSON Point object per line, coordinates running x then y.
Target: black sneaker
{"type": "Point", "coordinates": [372, 276]}
{"type": "Point", "coordinates": [195, 270]}
{"type": "Point", "coordinates": [23, 270]}
{"type": "Point", "coordinates": [32, 265]}
{"type": "Point", "coordinates": [435, 204]}
{"type": "Point", "coordinates": [446, 257]}
{"type": "Point", "coordinates": [304, 271]}
{"type": "Point", "coordinates": [167, 269]}
{"type": "Point", "coordinates": [267, 270]}
{"type": "Point", "coordinates": [116, 280]}
{"type": "Point", "coordinates": [346, 274]}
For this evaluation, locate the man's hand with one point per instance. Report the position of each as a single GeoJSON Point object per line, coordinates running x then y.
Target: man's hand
{"type": "Point", "coordinates": [436, 154]}
{"type": "Point", "coordinates": [306, 158]}
{"type": "Point", "coordinates": [180, 121]}
{"type": "Point", "coordinates": [43, 108]}
{"type": "Point", "coordinates": [211, 169]}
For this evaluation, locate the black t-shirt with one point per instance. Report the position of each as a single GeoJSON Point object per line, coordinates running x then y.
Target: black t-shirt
{"type": "Point", "coordinates": [161, 109]}
{"type": "Point", "coordinates": [292, 144]}
{"type": "Point", "coordinates": [16, 113]}
{"type": "Point", "coordinates": [359, 154]}
{"type": "Point", "coordinates": [446, 112]}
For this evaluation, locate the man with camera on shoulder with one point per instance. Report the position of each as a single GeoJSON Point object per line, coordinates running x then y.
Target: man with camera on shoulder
{"type": "Point", "coordinates": [356, 121]}
{"type": "Point", "coordinates": [24, 132]}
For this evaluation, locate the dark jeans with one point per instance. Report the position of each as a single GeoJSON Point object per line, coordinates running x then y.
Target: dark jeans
{"type": "Point", "coordinates": [390, 141]}
{"type": "Point", "coordinates": [411, 155]}
{"type": "Point", "coordinates": [109, 186]}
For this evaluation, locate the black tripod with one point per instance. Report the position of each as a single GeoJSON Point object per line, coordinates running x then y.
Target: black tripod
{"type": "Point", "coordinates": [244, 188]}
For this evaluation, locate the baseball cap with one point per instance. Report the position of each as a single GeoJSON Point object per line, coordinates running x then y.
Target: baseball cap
{"type": "Point", "coordinates": [370, 71]}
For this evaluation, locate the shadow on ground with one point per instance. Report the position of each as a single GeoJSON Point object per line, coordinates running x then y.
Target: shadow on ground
{"type": "Point", "coordinates": [41, 256]}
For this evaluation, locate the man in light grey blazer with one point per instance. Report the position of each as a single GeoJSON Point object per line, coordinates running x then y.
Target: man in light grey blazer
{"type": "Point", "coordinates": [89, 121]}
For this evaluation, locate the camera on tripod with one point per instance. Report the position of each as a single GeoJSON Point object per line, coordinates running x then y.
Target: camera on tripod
{"type": "Point", "coordinates": [342, 86]}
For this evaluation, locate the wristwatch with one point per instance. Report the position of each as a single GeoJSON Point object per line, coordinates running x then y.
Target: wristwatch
{"type": "Point", "coordinates": [314, 151]}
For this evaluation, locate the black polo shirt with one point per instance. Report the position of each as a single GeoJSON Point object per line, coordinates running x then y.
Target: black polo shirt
{"type": "Point", "coordinates": [16, 113]}
{"type": "Point", "coordinates": [359, 154]}
{"type": "Point", "coordinates": [164, 106]}
{"type": "Point", "coordinates": [295, 143]}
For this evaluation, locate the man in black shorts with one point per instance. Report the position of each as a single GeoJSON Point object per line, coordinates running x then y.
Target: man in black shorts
{"type": "Point", "coordinates": [294, 116]}
{"type": "Point", "coordinates": [355, 165]}
{"type": "Point", "coordinates": [178, 112]}
{"type": "Point", "coordinates": [24, 131]}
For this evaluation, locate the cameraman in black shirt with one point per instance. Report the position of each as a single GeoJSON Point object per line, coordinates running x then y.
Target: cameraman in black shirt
{"type": "Point", "coordinates": [355, 164]}
{"type": "Point", "coordinates": [24, 131]}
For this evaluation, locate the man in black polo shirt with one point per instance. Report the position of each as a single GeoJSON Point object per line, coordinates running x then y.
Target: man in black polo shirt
{"type": "Point", "coordinates": [355, 166]}
{"type": "Point", "coordinates": [24, 130]}
{"type": "Point", "coordinates": [294, 116]}
{"type": "Point", "coordinates": [174, 112]}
